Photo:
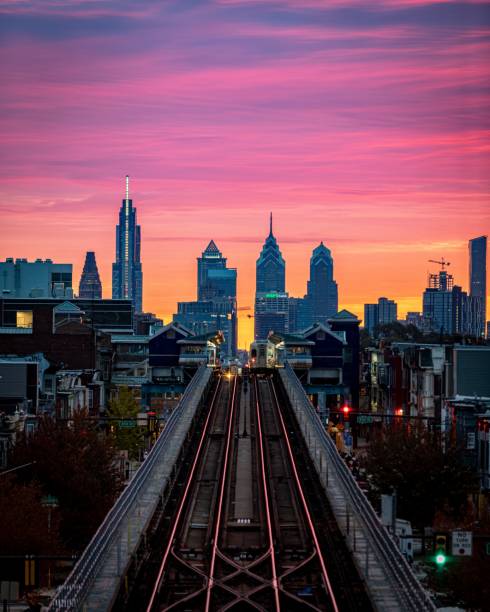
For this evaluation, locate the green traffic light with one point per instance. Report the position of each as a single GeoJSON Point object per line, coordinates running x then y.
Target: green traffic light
{"type": "Point", "coordinates": [440, 559]}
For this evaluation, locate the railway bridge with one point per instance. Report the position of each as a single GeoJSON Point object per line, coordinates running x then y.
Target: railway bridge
{"type": "Point", "coordinates": [242, 504]}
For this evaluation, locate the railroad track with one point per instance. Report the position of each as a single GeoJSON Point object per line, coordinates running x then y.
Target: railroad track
{"type": "Point", "coordinates": [242, 535]}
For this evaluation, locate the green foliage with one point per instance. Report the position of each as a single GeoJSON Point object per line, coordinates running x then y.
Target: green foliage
{"type": "Point", "coordinates": [426, 479]}
{"type": "Point", "coordinates": [126, 407]}
{"type": "Point", "coordinates": [74, 463]}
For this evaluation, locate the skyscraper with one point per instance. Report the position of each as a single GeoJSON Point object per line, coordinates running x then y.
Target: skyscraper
{"type": "Point", "coordinates": [90, 287]}
{"type": "Point", "coordinates": [385, 311]}
{"type": "Point", "coordinates": [478, 280]}
{"type": "Point", "coordinates": [321, 288]}
{"type": "Point", "coordinates": [214, 279]}
{"type": "Point", "coordinates": [127, 276]}
{"type": "Point", "coordinates": [215, 308]}
{"type": "Point", "coordinates": [270, 267]}
{"type": "Point", "coordinates": [271, 309]}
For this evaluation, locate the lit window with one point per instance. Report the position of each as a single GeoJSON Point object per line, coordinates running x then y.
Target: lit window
{"type": "Point", "coordinates": [24, 318]}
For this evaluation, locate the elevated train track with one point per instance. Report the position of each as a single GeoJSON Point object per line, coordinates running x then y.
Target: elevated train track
{"type": "Point", "coordinates": [249, 529]}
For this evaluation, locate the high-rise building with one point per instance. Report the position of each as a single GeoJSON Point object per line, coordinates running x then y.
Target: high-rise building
{"type": "Point", "coordinates": [387, 311]}
{"type": "Point", "coordinates": [127, 275]}
{"type": "Point", "coordinates": [448, 308]}
{"type": "Point", "coordinates": [90, 287]}
{"type": "Point", "coordinates": [322, 290]}
{"type": "Point", "coordinates": [300, 315]}
{"type": "Point", "coordinates": [216, 306]}
{"type": "Point", "coordinates": [437, 303]}
{"type": "Point", "coordinates": [270, 267]}
{"type": "Point", "coordinates": [271, 300]}
{"type": "Point", "coordinates": [370, 317]}
{"type": "Point", "coordinates": [382, 313]}
{"type": "Point", "coordinates": [478, 280]}
{"type": "Point", "coordinates": [271, 313]}
{"type": "Point", "coordinates": [214, 279]}
{"type": "Point", "coordinates": [22, 279]}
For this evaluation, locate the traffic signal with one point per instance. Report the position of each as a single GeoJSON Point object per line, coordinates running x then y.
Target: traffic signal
{"type": "Point", "coordinates": [440, 549]}
{"type": "Point", "coordinates": [345, 411]}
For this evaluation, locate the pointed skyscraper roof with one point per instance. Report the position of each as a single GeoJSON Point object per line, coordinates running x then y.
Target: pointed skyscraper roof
{"type": "Point", "coordinates": [270, 266]}
{"type": "Point", "coordinates": [90, 286]}
{"type": "Point", "coordinates": [211, 248]}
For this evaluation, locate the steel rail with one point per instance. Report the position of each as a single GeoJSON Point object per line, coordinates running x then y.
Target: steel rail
{"type": "Point", "coordinates": [71, 593]}
{"type": "Point", "coordinates": [190, 477]}
{"type": "Point", "coordinates": [275, 582]}
{"type": "Point", "coordinates": [399, 571]}
{"type": "Point", "coordinates": [214, 549]}
{"type": "Point", "coordinates": [306, 510]}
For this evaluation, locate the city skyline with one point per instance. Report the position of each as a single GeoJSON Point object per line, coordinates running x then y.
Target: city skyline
{"type": "Point", "coordinates": [364, 127]}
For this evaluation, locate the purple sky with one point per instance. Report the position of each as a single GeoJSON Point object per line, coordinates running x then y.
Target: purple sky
{"type": "Point", "coordinates": [362, 124]}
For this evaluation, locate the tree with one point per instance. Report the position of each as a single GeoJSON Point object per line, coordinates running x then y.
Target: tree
{"type": "Point", "coordinates": [365, 339]}
{"type": "Point", "coordinates": [398, 332]}
{"type": "Point", "coordinates": [75, 464]}
{"type": "Point", "coordinates": [425, 478]}
{"type": "Point", "coordinates": [25, 527]}
{"type": "Point", "coordinates": [125, 407]}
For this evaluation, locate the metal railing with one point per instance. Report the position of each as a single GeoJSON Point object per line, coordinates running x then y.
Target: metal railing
{"type": "Point", "coordinates": [72, 592]}
{"type": "Point", "coordinates": [382, 544]}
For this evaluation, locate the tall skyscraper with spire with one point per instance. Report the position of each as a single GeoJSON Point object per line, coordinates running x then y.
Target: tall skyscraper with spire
{"type": "Point", "coordinates": [127, 275]}
{"type": "Point", "coordinates": [271, 299]}
{"type": "Point", "coordinates": [270, 267]}
{"type": "Point", "coordinates": [90, 287]}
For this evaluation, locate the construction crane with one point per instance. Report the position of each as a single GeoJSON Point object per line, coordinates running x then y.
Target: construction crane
{"type": "Point", "coordinates": [442, 262]}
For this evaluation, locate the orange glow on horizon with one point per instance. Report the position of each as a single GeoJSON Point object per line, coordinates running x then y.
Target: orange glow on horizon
{"type": "Point", "coordinates": [369, 133]}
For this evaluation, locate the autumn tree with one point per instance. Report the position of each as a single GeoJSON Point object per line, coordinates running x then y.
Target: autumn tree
{"type": "Point", "coordinates": [123, 410]}
{"type": "Point", "coordinates": [27, 526]}
{"type": "Point", "coordinates": [74, 463]}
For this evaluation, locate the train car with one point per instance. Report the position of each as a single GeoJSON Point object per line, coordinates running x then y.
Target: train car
{"type": "Point", "coordinates": [262, 354]}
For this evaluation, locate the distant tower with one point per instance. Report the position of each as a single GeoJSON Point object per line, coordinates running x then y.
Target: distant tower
{"type": "Point", "coordinates": [271, 300]}
{"type": "Point", "coordinates": [270, 267]}
{"type": "Point", "coordinates": [127, 276]}
{"type": "Point", "coordinates": [90, 287]}
{"type": "Point", "coordinates": [478, 281]}
{"type": "Point", "coordinates": [321, 288]}
{"type": "Point", "coordinates": [214, 279]}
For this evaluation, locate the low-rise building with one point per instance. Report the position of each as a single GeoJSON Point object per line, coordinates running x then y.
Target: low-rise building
{"type": "Point", "coordinates": [20, 278]}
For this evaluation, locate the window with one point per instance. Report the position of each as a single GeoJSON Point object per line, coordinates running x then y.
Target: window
{"type": "Point", "coordinates": [24, 319]}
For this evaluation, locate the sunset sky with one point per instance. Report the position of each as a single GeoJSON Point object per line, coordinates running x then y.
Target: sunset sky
{"type": "Point", "coordinates": [362, 124]}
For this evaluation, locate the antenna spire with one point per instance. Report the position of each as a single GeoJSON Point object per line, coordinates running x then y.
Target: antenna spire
{"type": "Point", "coordinates": [127, 186]}
{"type": "Point", "coordinates": [270, 228]}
